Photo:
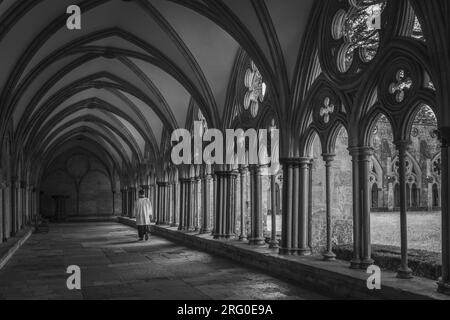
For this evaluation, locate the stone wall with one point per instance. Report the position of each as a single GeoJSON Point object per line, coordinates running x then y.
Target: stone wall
{"type": "Point", "coordinates": [86, 184]}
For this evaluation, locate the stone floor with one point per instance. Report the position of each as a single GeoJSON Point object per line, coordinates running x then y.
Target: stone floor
{"type": "Point", "coordinates": [116, 266]}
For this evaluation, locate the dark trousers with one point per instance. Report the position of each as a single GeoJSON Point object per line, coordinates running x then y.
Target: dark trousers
{"type": "Point", "coordinates": [142, 231]}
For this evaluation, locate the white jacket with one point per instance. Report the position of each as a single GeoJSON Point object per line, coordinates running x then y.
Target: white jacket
{"type": "Point", "coordinates": [143, 211]}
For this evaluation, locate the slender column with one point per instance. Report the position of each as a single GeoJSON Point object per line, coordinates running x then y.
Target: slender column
{"type": "Point", "coordinates": [13, 207]}
{"type": "Point", "coordinates": [122, 192]}
{"type": "Point", "coordinates": [182, 206]}
{"type": "Point", "coordinates": [355, 263]}
{"type": "Point", "coordinates": [444, 281]}
{"type": "Point", "coordinates": [256, 231]}
{"type": "Point", "coordinates": [190, 205]}
{"type": "Point", "coordinates": [220, 207]}
{"type": "Point", "coordinates": [310, 218]}
{"type": "Point", "coordinates": [404, 272]}
{"type": "Point", "coordinates": [303, 225]}
{"type": "Point", "coordinates": [243, 173]}
{"type": "Point", "coordinates": [286, 222]}
{"type": "Point", "coordinates": [214, 205]}
{"type": "Point", "coordinates": [2, 211]}
{"type": "Point", "coordinates": [296, 229]}
{"type": "Point", "coordinates": [206, 207]}
{"type": "Point", "coordinates": [273, 241]}
{"type": "Point", "coordinates": [197, 203]}
{"type": "Point", "coordinates": [328, 159]}
{"type": "Point", "coordinates": [159, 213]}
{"type": "Point", "coordinates": [235, 179]}
{"type": "Point", "coordinates": [364, 164]}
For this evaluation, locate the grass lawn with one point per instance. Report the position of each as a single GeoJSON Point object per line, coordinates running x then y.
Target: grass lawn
{"type": "Point", "coordinates": [424, 230]}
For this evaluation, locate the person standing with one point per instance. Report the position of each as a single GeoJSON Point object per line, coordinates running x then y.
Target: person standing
{"type": "Point", "coordinates": [143, 213]}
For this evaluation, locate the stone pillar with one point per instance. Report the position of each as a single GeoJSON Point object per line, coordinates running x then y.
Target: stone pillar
{"type": "Point", "coordinates": [256, 227]}
{"type": "Point", "coordinates": [197, 187]}
{"type": "Point", "coordinates": [328, 159]}
{"type": "Point", "coordinates": [2, 212]}
{"type": "Point", "coordinates": [214, 205]}
{"type": "Point", "coordinates": [404, 272]}
{"type": "Point", "coordinates": [355, 263]}
{"type": "Point", "coordinates": [235, 180]}
{"type": "Point", "coordinates": [286, 221]}
{"type": "Point", "coordinates": [160, 207]}
{"type": "Point", "coordinates": [181, 212]}
{"type": "Point", "coordinates": [365, 155]}
{"type": "Point", "coordinates": [243, 178]}
{"type": "Point", "coordinates": [206, 207]}
{"type": "Point", "coordinates": [225, 218]}
{"type": "Point", "coordinates": [444, 281]}
{"type": "Point", "coordinates": [273, 241]}
{"type": "Point", "coordinates": [13, 206]}
{"type": "Point", "coordinates": [303, 224]}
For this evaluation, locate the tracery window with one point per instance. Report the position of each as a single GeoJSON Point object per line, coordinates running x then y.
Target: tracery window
{"type": "Point", "coordinates": [359, 28]}
{"type": "Point", "coordinates": [256, 90]}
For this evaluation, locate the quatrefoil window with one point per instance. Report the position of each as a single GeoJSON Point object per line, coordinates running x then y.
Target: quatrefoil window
{"type": "Point", "coordinates": [256, 89]}
{"type": "Point", "coordinates": [359, 28]}
{"type": "Point", "coordinates": [327, 110]}
{"type": "Point", "coordinates": [402, 84]}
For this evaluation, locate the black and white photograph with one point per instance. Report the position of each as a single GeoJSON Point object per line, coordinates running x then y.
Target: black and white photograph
{"type": "Point", "coordinates": [229, 157]}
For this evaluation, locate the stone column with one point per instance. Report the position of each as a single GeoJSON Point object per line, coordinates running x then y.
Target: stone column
{"type": "Point", "coordinates": [190, 205]}
{"type": "Point", "coordinates": [404, 272]}
{"type": "Point", "coordinates": [365, 155]}
{"type": "Point", "coordinates": [273, 241]}
{"type": "Point", "coordinates": [286, 221]}
{"type": "Point", "coordinates": [256, 229]}
{"type": "Point", "coordinates": [160, 208]}
{"type": "Point", "coordinates": [197, 188]}
{"type": "Point", "coordinates": [206, 207]}
{"type": "Point", "coordinates": [303, 225]}
{"type": "Point", "coordinates": [444, 281]}
{"type": "Point", "coordinates": [220, 209]}
{"type": "Point", "coordinates": [328, 159]}
{"type": "Point", "coordinates": [181, 211]}
{"type": "Point", "coordinates": [13, 206]}
{"type": "Point", "coordinates": [122, 192]}
{"type": "Point", "coordinates": [355, 263]}
{"type": "Point", "coordinates": [243, 235]}
{"type": "Point", "coordinates": [214, 205]}
{"type": "Point", "coordinates": [2, 212]}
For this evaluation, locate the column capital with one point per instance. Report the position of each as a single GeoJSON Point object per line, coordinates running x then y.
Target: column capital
{"type": "Point", "coordinates": [328, 157]}
{"type": "Point", "coordinates": [145, 187]}
{"type": "Point", "coordinates": [361, 151]}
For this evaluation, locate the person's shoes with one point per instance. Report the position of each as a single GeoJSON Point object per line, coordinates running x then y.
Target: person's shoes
{"type": "Point", "coordinates": [140, 239]}
{"type": "Point", "coordinates": [146, 237]}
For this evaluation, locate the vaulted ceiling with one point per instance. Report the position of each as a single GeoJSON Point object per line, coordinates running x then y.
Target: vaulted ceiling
{"type": "Point", "coordinates": [132, 71]}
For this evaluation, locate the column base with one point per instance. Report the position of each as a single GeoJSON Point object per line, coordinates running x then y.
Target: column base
{"type": "Point", "coordinates": [242, 238]}
{"type": "Point", "coordinates": [304, 252]}
{"type": "Point", "coordinates": [443, 287]}
{"type": "Point", "coordinates": [173, 225]}
{"type": "Point", "coordinates": [256, 242]}
{"type": "Point", "coordinates": [366, 263]}
{"type": "Point", "coordinates": [404, 273]}
{"type": "Point", "coordinates": [287, 251]}
{"type": "Point", "coordinates": [355, 264]}
{"type": "Point", "coordinates": [205, 231]}
{"type": "Point", "coordinates": [180, 228]}
{"type": "Point", "coordinates": [329, 256]}
{"type": "Point", "coordinates": [273, 244]}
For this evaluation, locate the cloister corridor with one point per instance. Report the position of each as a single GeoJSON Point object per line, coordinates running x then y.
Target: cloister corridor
{"type": "Point", "coordinates": [114, 265]}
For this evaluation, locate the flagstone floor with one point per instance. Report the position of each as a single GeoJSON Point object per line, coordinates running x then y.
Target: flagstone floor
{"type": "Point", "coordinates": [114, 265]}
